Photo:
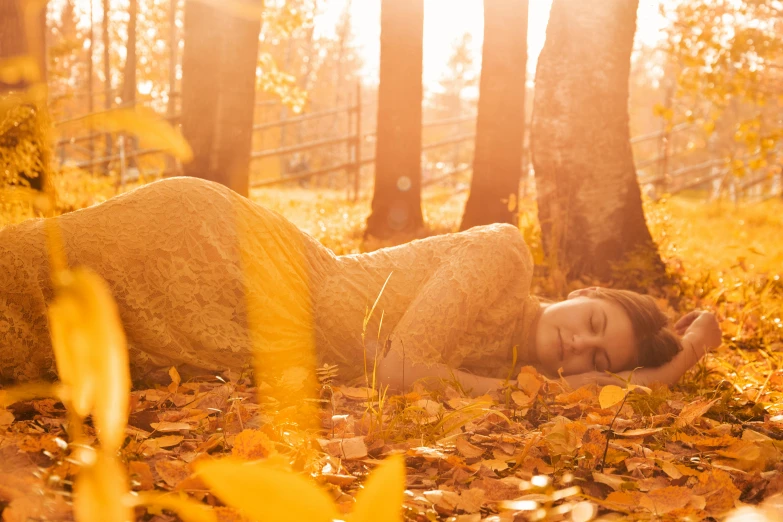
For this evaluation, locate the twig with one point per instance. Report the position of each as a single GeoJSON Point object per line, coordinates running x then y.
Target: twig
{"type": "Point", "coordinates": [600, 465]}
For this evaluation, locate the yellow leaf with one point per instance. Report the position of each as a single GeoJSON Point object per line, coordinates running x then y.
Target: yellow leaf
{"type": "Point", "coordinates": [266, 493]}
{"type": "Point", "coordinates": [188, 509]}
{"type": "Point", "coordinates": [91, 352]}
{"type": "Point", "coordinates": [382, 496]}
{"type": "Point", "coordinates": [148, 126]}
{"type": "Point", "coordinates": [100, 491]}
{"type": "Point", "coordinates": [174, 374]}
{"type": "Point", "coordinates": [610, 395]}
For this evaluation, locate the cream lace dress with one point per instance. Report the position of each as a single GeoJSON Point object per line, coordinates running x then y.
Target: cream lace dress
{"type": "Point", "coordinates": [204, 278]}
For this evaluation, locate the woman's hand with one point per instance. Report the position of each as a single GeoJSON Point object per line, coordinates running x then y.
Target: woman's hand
{"type": "Point", "coordinates": [700, 332]}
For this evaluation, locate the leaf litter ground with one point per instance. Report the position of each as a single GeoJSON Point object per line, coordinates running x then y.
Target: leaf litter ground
{"type": "Point", "coordinates": [534, 451]}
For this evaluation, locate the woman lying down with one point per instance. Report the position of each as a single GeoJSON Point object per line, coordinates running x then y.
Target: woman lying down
{"type": "Point", "coordinates": [205, 279]}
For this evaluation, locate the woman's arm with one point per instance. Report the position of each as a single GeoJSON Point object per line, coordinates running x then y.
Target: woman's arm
{"type": "Point", "coordinates": [399, 374]}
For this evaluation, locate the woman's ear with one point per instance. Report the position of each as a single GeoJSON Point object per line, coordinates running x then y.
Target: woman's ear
{"type": "Point", "coordinates": [583, 292]}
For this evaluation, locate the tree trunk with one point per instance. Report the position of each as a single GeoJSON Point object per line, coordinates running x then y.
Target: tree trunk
{"type": "Point", "coordinates": [107, 92]}
{"type": "Point", "coordinates": [396, 203]}
{"type": "Point", "coordinates": [500, 125]}
{"type": "Point", "coordinates": [218, 92]}
{"type": "Point", "coordinates": [589, 203]}
{"type": "Point", "coordinates": [30, 125]}
{"type": "Point", "coordinates": [129, 74]}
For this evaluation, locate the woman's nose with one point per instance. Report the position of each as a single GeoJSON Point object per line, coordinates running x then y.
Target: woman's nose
{"type": "Point", "coordinates": [580, 344]}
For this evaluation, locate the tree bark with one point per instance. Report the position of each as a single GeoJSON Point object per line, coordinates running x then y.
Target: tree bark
{"type": "Point", "coordinates": [129, 74]}
{"type": "Point", "coordinates": [396, 203]}
{"type": "Point", "coordinates": [218, 92]}
{"type": "Point", "coordinates": [500, 125]}
{"type": "Point", "coordinates": [19, 38]}
{"type": "Point", "coordinates": [589, 203]}
{"type": "Point", "coordinates": [107, 91]}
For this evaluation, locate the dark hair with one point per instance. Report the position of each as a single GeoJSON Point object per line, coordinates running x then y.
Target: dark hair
{"type": "Point", "coordinates": [656, 343]}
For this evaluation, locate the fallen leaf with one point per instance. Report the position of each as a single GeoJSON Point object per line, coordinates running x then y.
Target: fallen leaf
{"type": "Point", "coordinates": [165, 426]}
{"type": "Point", "coordinates": [468, 450]}
{"type": "Point", "coordinates": [359, 394]}
{"type": "Point", "coordinates": [252, 445]}
{"type": "Point", "coordinates": [471, 500]}
{"type": "Point", "coordinates": [693, 411]}
{"type": "Point", "coordinates": [611, 395]}
{"type": "Point", "coordinates": [172, 471]}
{"type": "Point", "coordinates": [140, 472]}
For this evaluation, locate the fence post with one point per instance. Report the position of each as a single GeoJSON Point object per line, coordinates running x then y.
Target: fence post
{"type": "Point", "coordinates": [357, 145]}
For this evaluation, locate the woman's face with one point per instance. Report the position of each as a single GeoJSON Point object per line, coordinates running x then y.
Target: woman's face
{"type": "Point", "coordinates": [584, 334]}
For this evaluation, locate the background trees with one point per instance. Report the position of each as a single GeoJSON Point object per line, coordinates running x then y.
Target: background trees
{"type": "Point", "coordinates": [500, 127]}
{"type": "Point", "coordinates": [726, 59]}
{"type": "Point", "coordinates": [24, 143]}
{"type": "Point", "coordinates": [589, 204]}
{"type": "Point", "coordinates": [218, 90]}
{"type": "Point", "coordinates": [396, 203]}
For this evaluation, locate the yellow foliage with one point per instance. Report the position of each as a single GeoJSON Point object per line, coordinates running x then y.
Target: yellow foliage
{"type": "Point", "coordinates": [266, 493]}
{"type": "Point", "coordinates": [382, 496]}
{"type": "Point", "coordinates": [91, 352]}
{"type": "Point", "coordinates": [100, 491]}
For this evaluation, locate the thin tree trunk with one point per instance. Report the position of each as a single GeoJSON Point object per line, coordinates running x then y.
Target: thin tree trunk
{"type": "Point", "coordinates": [91, 82]}
{"type": "Point", "coordinates": [396, 204]}
{"type": "Point", "coordinates": [129, 74]}
{"type": "Point", "coordinates": [500, 124]}
{"type": "Point", "coordinates": [107, 94]}
{"type": "Point", "coordinates": [589, 203]}
{"type": "Point", "coordinates": [218, 92]}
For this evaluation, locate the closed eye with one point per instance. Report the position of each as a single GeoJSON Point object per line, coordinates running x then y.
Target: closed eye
{"type": "Point", "coordinates": [601, 361]}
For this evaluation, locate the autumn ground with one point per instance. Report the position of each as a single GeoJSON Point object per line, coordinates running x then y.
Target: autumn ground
{"type": "Point", "coordinates": [537, 451]}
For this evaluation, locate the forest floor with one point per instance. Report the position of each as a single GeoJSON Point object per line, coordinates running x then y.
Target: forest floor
{"type": "Point", "coordinates": [536, 451]}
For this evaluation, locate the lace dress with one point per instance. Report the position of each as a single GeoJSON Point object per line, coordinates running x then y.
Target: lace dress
{"type": "Point", "coordinates": [205, 278]}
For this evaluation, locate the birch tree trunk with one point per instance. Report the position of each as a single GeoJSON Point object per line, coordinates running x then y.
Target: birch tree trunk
{"type": "Point", "coordinates": [396, 203]}
{"type": "Point", "coordinates": [589, 202]}
{"type": "Point", "coordinates": [500, 125]}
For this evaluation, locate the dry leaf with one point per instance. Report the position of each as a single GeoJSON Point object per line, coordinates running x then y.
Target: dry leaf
{"type": "Point", "coordinates": [140, 472]}
{"type": "Point", "coordinates": [693, 411]}
{"type": "Point", "coordinates": [468, 450]}
{"type": "Point", "coordinates": [172, 471]}
{"type": "Point", "coordinates": [610, 395]}
{"type": "Point", "coordinates": [252, 445]}
{"type": "Point", "coordinates": [170, 426]}
{"type": "Point", "coordinates": [359, 394]}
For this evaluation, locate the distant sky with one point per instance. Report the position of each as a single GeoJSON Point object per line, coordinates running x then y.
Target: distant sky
{"type": "Point", "coordinates": [446, 20]}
